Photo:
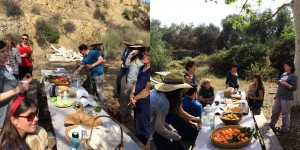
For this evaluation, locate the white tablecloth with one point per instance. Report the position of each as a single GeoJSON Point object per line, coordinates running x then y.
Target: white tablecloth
{"type": "Point", "coordinates": [58, 114]}
{"type": "Point", "coordinates": [203, 140]}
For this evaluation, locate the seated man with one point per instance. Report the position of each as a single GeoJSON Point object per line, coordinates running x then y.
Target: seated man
{"type": "Point", "coordinates": [192, 107]}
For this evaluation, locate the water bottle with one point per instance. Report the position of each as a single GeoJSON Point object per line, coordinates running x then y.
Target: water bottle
{"type": "Point", "coordinates": [208, 118]}
{"type": "Point", "coordinates": [83, 138]}
{"type": "Point", "coordinates": [75, 141]}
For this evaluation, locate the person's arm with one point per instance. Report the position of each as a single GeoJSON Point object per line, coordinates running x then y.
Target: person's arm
{"type": "Point", "coordinates": [186, 79]}
{"type": "Point", "coordinates": [128, 60]}
{"type": "Point", "coordinates": [9, 94]}
{"type": "Point", "coordinates": [99, 61]}
{"type": "Point", "coordinates": [260, 96]}
{"type": "Point", "coordinates": [80, 68]}
{"type": "Point", "coordinates": [160, 128]}
{"type": "Point", "coordinates": [293, 84]}
{"type": "Point", "coordinates": [145, 92]}
{"type": "Point", "coordinates": [187, 117]}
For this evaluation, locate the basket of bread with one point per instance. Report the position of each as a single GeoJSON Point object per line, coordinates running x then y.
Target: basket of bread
{"type": "Point", "coordinates": [233, 136]}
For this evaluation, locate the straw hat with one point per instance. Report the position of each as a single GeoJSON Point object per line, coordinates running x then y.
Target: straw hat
{"type": "Point", "coordinates": [172, 81]}
{"type": "Point", "coordinates": [127, 40]}
{"type": "Point", "coordinates": [96, 43]}
{"type": "Point", "coordinates": [138, 43]}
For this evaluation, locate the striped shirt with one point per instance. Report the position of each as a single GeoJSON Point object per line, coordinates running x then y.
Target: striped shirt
{"type": "Point", "coordinates": [14, 59]}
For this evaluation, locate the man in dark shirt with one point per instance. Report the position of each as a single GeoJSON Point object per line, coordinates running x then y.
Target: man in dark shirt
{"type": "Point", "coordinates": [124, 68]}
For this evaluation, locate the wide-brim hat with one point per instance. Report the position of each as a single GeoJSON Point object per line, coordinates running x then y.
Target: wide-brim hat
{"type": "Point", "coordinates": [138, 43]}
{"type": "Point", "coordinates": [96, 43]}
{"type": "Point", "coordinates": [172, 82]}
{"type": "Point", "coordinates": [127, 40]}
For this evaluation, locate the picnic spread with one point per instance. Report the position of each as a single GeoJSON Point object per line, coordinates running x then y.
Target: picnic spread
{"type": "Point", "coordinates": [213, 138]}
{"type": "Point", "coordinates": [74, 110]}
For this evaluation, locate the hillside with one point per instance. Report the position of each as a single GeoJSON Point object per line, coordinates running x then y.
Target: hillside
{"type": "Point", "coordinates": [80, 21]}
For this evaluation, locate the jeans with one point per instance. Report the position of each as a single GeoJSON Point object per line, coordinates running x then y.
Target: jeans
{"type": "Point", "coordinates": [98, 87]}
{"type": "Point", "coordinates": [122, 72]}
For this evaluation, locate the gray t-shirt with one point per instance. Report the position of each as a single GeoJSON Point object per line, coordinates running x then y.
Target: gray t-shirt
{"type": "Point", "coordinates": [7, 82]}
{"type": "Point", "coordinates": [284, 93]}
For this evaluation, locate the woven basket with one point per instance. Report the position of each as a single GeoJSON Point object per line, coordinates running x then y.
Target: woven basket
{"type": "Point", "coordinates": [228, 94]}
{"type": "Point", "coordinates": [228, 145]}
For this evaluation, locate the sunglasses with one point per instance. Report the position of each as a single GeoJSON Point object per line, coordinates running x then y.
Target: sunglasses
{"type": "Point", "coordinates": [31, 116]}
{"type": "Point", "coordinates": [256, 76]}
{"type": "Point", "coordinates": [25, 39]}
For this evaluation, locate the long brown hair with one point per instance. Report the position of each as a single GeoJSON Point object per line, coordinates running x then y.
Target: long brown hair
{"type": "Point", "coordinates": [10, 42]}
{"type": "Point", "coordinates": [174, 98]}
{"type": "Point", "coordinates": [9, 136]}
{"type": "Point", "coordinates": [260, 84]}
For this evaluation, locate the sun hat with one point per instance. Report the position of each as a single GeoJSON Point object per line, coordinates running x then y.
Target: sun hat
{"type": "Point", "coordinates": [96, 43]}
{"type": "Point", "coordinates": [138, 43]}
{"type": "Point", "coordinates": [127, 40]}
{"type": "Point", "coordinates": [171, 82]}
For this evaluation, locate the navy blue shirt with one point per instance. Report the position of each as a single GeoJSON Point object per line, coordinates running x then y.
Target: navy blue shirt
{"type": "Point", "coordinates": [232, 80]}
{"type": "Point", "coordinates": [193, 108]}
{"type": "Point", "coordinates": [142, 79]}
{"type": "Point", "coordinates": [91, 58]}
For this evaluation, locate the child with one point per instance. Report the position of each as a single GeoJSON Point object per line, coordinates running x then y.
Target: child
{"type": "Point", "coordinates": [251, 91]}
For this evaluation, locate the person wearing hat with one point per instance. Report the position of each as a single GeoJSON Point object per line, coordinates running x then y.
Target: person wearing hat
{"type": "Point", "coordinates": [124, 68]}
{"type": "Point", "coordinates": [97, 46]}
{"type": "Point", "coordinates": [165, 99]}
{"type": "Point", "coordinates": [134, 63]}
{"type": "Point", "coordinates": [140, 99]}
{"type": "Point", "coordinates": [92, 61]}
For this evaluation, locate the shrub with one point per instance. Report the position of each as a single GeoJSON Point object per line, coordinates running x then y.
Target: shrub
{"type": "Point", "coordinates": [135, 6]}
{"type": "Point", "coordinates": [201, 59]}
{"type": "Point", "coordinates": [135, 14]}
{"type": "Point", "coordinates": [55, 19]}
{"type": "Point", "coordinates": [185, 60]}
{"type": "Point", "coordinates": [217, 64]}
{"type": "Point", "coordinates": [12, 8]}
{"type": "Point", "coordinates": [69, 27]}
{"type": "Point", "coordinates": [51, 34]}
{"type": "Point", "coordinates": [267, 72]}
{"type": "Point", "coordinates": [98, 15]}
{"type": "Point", "coordinates": [147, 7]}
{"type": "Point", "coordinates": [126, 14]}
{"type": "Point", "coordinates": [173, 65]}
{"type": "Point", "coordinates": [147, 24]}
{"type": "Point", "coordinates": [35, 10]}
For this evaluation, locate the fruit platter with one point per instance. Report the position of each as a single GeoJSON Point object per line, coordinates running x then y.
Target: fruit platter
{"type": "Point", "coordinates": [233, 136]}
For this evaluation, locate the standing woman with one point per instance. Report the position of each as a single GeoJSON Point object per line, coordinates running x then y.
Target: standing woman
{"type": "Point", "coordinates": [21, 119]}
{"type": "Point", "coordinates": [26, 55]}
{"type": "Point", "coordinates": [256, 100]}
{"type": "Point", "coordinates": [9, 86]}
{"type": "Point", "coordinates": [232, 77]}
{"type": "Point", "coordinates": [284, 97]}
{"type": "Point", "coordinates": [189, 75]}
{"type": "Point", "coordinates": [14, 58]}
{"type": "Point", "coordinates": [140, 99]}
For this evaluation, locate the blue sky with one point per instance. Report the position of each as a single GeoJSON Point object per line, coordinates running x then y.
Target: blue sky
{"type": "Point", "coordinates": [198, 11]}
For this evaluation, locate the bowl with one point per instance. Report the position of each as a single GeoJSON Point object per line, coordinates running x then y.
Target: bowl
{"type": "Point", "coordinates": [231, 118]}
{"type": "Point", "coordinates": [53, 99]}
{"type": "Point", "coordinates": [217, 132]}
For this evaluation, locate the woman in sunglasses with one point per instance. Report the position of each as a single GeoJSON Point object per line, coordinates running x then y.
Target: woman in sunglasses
{"type": "Point", "coordinates": [255, 99]}
{"type": "Point", "coordinates": [21, 118]}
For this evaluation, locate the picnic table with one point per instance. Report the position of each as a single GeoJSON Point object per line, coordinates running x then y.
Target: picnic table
{"type": "Point", "coordinates": [203, 140]}
{"type": "Point", "coordinates": [58, 114]}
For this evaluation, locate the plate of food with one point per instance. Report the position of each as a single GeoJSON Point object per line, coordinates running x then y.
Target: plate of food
{"type": "Point", "coordinates": [236, 109]}
{"type": "Point", "coordinates": [234, 101]}
{"type": "Point", "coordinates": [63, 103]}
{"type": "Point", "coordinates": [233, 136]}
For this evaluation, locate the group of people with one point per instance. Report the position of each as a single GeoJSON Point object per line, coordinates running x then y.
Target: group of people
{"type": "Point", "coordinates": [287, 84]}
{"type": "Point", "coordinates": [136, 68]}
{"type": "Point", "coordinates": [19, 114]}
{"type": "Point", "coordinates": [176, 106]}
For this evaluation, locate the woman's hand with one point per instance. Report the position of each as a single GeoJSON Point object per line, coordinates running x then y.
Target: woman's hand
{"type": "Point", "coordinates": [22, 87]}
{"type": "Point", "coordinates": [27, 78]}
{"type": "Point", "coordinates": [134, 52]}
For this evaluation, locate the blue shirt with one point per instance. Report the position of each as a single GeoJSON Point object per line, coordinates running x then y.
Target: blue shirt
{"type": "Point", "coordinates": [91, 58]}
{"type": "Point", "coordinates": [232, 80]}
{"type": "Point", "coordinates": [284, 93]}
{"type": "Point", "coordinates": [142, 79]}
{"type": "Point", "coordinates": [193, 108]}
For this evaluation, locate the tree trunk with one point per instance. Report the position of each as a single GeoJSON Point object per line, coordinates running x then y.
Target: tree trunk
{"type": "Point", "coordinates": [295, 5]}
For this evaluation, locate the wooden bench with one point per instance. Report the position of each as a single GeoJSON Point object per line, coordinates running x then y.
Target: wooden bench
{"type": "Point", "coordinates": [269, 139]}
